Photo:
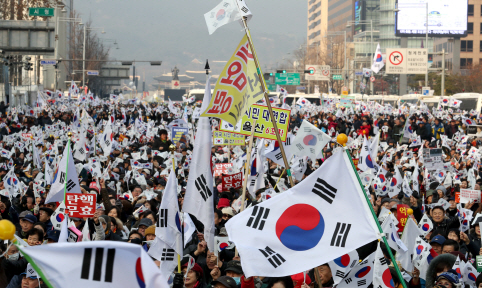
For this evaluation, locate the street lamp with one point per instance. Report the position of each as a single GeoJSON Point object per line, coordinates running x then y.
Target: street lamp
{"type": "Point", "coordinates": [348, 25]}
{"type": "Point", "coordinates": [83, 52]}
{"type": "Point", "coordinates": [56, 53]}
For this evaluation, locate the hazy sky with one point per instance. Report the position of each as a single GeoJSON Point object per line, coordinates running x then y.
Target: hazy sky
{"type": "Point", "coordinates": [175, 32]}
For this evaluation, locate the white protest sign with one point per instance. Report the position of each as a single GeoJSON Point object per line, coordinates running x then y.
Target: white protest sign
{"type": "Point", "coordinates": [467, 195]}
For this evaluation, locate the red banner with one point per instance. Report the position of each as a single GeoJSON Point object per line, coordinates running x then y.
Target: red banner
{"type": "Point", "coordinates": [402, 216]}
{"type": "Point", "coordinates": [80, 205]}
{"type": "Point", "coordinates": [225, 168]}
{"type": "Point", "coordinates": [232, 181]}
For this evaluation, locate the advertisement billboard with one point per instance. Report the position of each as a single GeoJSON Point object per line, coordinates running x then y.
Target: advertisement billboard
{"type": "Point", "coordinates": [446, 18]}
{"type": "Point", "coordinates": [360, 9]}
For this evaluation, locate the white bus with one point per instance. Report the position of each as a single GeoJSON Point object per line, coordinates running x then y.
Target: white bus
{"type": "Point", "coordinates": [469, 101]}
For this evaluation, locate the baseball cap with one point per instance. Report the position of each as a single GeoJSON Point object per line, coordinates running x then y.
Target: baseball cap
{"type": "Point", "coordinates": [234, 266]}
{"type": "Point", "coordinates": [145, 222]}
{"type": "Point", "coordinates": [228, 211]}
{"type": "Point", "coordinates": [226, 281]}
{"type": "Point", "coordinates": [450, 275]}
{"type": "Point", "coordinates": [439, 239]}
{"type": "Point", "coordinates": [30, 218]}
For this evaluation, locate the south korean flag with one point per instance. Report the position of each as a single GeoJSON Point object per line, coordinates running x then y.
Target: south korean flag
{"type": "Point", "coordinates": [341, 266]}
{"type": "Point", "coordinates": [273, 152]}
{"type": "Point", "coordinates": [315, 222]}
{"type": "Point", "coordinates": [361, 275]}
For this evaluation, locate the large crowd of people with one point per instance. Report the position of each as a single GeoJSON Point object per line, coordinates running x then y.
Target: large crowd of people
{"type": "Point", "coordinates": [128, 210]}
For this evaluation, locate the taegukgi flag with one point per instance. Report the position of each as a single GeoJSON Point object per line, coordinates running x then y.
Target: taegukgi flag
{"type": "Point", "coordinates": [237, 88]}
{"type": "Point", "coordinates": [314, 222]}
{"type": "Point", "coordinates": [94, 264]}
{"type": "Point", "coordinates": [226, 12]}
{"type": "Point", "coordinates": [377, 60]}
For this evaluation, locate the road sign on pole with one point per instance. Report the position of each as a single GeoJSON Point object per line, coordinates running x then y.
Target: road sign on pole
{"type": "Point", "coordinates": [287, 79]}
{"type": "Point", "coordinates": [320, 72]}
{"type": "Point", "coordinates": [372, 79]}
{"type": "Point", "coordinates": [337, 77]}
{"type": "Point", "coordinates": [48, 62]}
{"type": "Point", "coordinates": [93, 72]}
{"type": "Point", "coordinates": [41, 11]}
{"type": "Point", "coordinates": [407, 61]}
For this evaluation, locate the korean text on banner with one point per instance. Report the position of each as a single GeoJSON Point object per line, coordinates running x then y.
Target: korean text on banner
{"type": "Point", "coordinates": [402, 216]}
{"type": "Point", "coordinates": [179, 134]}
{"type": "Point", "coordinates": [237, 88]}
{"type": "Point", "coordinates": [226, 138]}
{"type": "Point", "coordinates": [80, 205]}
{"type": "Point", "coordinates": [467, 195]}
{"type": "Point", "coordinates": [225, 168]}
{"type": "Point", "coordinates": [264, 127]}
{"type": "Point", "coordinates": [233, 181]}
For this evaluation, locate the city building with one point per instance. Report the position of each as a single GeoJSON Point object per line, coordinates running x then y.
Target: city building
{"type": "Point", "coordinates": [317, 21]}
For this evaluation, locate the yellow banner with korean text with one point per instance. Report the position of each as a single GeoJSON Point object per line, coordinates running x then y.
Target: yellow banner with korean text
{"type": "Point", "coordinates": [237, 88]}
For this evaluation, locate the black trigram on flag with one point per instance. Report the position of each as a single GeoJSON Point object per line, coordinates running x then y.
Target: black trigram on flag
{"type": "Point", "coordinates": [107, 142]}
{"type": "Point", "coordinates": [361, 282]}
{"type": "Point", "coordinates": [244, 9]}
{"type": "Point", "coordinates": [278, 156]}
{"type": "Point", "coordinates": [383, 261]}
{"type": "Point", "coordinates": [202, 187]}
{"type": "Point", "coordinates": [253, 182]}
{"type": "Point", "coordinates": [340, 235]}
{"type": "Point", "coordinates": [340, 274]}
{"type": "Point", "coordinates": [288, 141]}
{"type": "Point", "coordinates": [70, 185]}
{"type": "Point", "coordinates": [324, 190]}
{"type": "Point", "coordinates": [258, 217]}
{"type": "Point", "coordinates": [62, 178]}
{"type": "Point", "coordinates": [347, 281]}
{"type": "Point", "coordinates": [81, 150]}
{"type": "Point", "coordinates": [300, 147]}
{"type": "Point", "coordinates": [312, 150]}
{"type": "Point", "coordinates": [98, 261]}
{"type": "Point", "coordinates": [167, 254]}
{"type": "Point", "coordinates": [274, 258]}
{"type": "Point", "coordinates": [307, 129]}
{"type": "Point", "coordinates": [163, 218]}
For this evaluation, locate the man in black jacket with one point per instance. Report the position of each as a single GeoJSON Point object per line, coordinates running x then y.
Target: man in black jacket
{"type": "Point", "coordinates": [162, 144]}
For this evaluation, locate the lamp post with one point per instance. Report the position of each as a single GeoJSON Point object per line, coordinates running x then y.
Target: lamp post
{"type": "Point", "coordinates": [83, 52]}
{"type": "Point", "coordinates": [56, 53]}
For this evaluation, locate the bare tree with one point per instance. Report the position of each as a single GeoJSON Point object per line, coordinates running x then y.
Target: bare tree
{"type": "Point", "coordinates": [94, 50]}
{"type": "Point", "coordinates": [18, 9]}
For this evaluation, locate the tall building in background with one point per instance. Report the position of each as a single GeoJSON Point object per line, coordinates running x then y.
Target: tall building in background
{"type": "Point", "coordinates": [339, 13]}
{"type": "Point", "coordinates": [317, 21]}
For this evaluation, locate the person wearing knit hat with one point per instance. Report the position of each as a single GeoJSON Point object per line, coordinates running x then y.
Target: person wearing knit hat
{"type": "Point", "coordinates": [441, 191]}
{"type": "Point", "coordinates": [223, 202]}
{"type": "Point", "coordinates": [194, 277]}
{"type": "Point", "coordinates": [448, 279]}
{"type": "Point", "coordinates": [150, 233]}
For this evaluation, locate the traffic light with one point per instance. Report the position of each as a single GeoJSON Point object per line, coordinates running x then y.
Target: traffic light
{"type": "Point", "coordinates": [281, 71]}
{"type": "Point", "coordinates": [311, 71]}
{"type": "Point", "coordinates": [271, 74]}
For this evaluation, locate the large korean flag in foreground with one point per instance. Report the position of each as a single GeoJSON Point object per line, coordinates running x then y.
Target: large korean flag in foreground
{"type": "Point", "coordinates": [322, 218]}
{"type": "Point", "coordinates": [94, 264]}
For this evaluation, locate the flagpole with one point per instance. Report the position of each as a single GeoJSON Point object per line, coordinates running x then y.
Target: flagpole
{"type": "Point", "coordinates": [342, 139]}
{"type": "Point", "coordinates": [248, 164]}
{"type": "Point", "coordinates": [279, 179]}
{"type": "Point", "coordinates": [67, 166]}
{"type": "Point", "coordinates": [266, 98]}
{"type": "Point", "coordinates": [172, 148]}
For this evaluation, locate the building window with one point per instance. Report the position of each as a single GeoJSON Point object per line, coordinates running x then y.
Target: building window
{"type": "Point", "coordinates": [480, 28]}
{"type": "Point", "coordinates": [480, 47]}
{"type": "Point", "coordinates": [470, 10]}
{"type": "Point", "coordinates": [470, 28]}
{"type": "Point", "coordinates": [466, 46]}
{"type": "Point", "coordinates": [465, 63]}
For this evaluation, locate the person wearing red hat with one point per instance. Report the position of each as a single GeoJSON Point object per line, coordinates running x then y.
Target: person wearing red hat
{"type": "Point", "coordinates": [194, 278]}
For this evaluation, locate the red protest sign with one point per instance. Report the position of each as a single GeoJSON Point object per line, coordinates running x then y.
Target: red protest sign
{"type": "Point", "coordinates": [402, 216]}
{"type": "Point", "coordinates": [232, 181]}
{"type": "Point", "coordinates": [80, 205]}
{"type": "Point", "coordinates": [26, 135]}
{"type": "Point", "coordinates": [224, 168]}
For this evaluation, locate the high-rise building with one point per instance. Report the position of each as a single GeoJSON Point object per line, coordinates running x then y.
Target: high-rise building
{"type": "Point", "coordinates": [317, 21]}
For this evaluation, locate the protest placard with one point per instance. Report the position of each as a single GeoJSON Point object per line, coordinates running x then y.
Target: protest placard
{"type": "Point", "coordinates": [80, 205]}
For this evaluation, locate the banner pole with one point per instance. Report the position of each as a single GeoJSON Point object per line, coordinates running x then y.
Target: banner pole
{"type": "Point", "coordinates": [279, 179]}
{"type": "Point", "coordinates": [67, 166]}
{"type": "Point", "coordinates": [248, 163]}
{"type": "Point", "coordinates": [380, 230]}
{"type": "Point", "coordinates": [266, 98]}
{"type": "Point", "coordinates": [172, 148]}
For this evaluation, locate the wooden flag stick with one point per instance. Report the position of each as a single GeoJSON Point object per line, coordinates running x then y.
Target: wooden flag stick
{"type": "Point", "coordinates": [279, 178]}
{"type": "Point", "coordinates": [266, 97]}
{"type": "Point", "coordinates": [248, 163]}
